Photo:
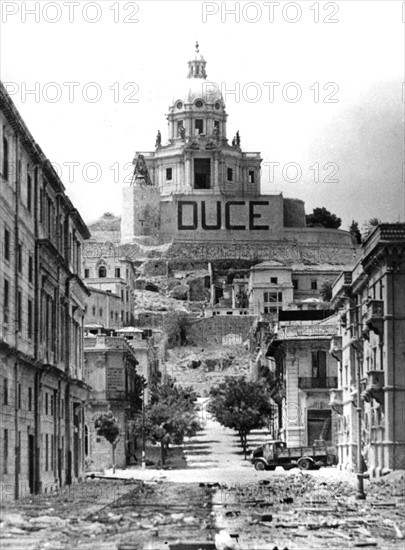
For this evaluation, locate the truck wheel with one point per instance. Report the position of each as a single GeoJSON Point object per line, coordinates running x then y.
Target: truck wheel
{"type": "Point", "coordinates": [305, 464]}
{"type": "Point", "coordinates": [260, 466]}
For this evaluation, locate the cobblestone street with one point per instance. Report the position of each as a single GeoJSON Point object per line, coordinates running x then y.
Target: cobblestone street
{"type": "Point", "coordinates": [217, 491]}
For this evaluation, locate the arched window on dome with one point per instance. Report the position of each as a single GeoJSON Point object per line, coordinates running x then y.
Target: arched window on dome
{"type": "Point", "coordinates": [102, 271]}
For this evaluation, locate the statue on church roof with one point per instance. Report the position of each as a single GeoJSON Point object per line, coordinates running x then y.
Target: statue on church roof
{"type": "Point", "coordinates": [158, 139]}
{"type": "Point", "coordinates": [141, 173]}
{"type": "Point", "coordinates": [237, 139]}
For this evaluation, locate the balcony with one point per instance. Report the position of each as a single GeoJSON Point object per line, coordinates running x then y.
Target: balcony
{"type": "Point", "coordinates": [375, 316]}
{"type": "Point", "coordinates": [374, 387]}
{"type": "Point", "coordinates": [309, 383]}
{"type": "Point", "coordinates": [336, 400]}
{"type": "Point", "coordinates": [336, 348]}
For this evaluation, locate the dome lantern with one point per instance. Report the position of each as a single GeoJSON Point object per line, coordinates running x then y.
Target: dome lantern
{"type": "Point", "coordinates": [196, 66]}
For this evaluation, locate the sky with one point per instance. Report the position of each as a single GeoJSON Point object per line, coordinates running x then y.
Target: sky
{"type": "Point", "coordinates": [316, 87]}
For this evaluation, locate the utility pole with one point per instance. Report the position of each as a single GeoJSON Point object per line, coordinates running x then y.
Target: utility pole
{"type": "Point", "coordinates": [143, 425]}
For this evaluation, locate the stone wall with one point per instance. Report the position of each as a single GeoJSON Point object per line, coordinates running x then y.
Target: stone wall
{"type": "Point", "coordinates": [219, 330]}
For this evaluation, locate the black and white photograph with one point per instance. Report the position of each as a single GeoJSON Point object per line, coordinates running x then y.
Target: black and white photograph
{"type": "Point", "coordinates": [202, 274]}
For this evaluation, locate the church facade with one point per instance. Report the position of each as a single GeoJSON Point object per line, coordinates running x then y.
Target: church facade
{"type": "Point", "coordinates": [199, 188]}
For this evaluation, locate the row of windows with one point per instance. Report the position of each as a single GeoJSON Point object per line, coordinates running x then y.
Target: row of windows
{"type": "Point", "coordinates": [49, 400]}
{"type": "Point", "coordinates": [19, 251]}
{"type": "Point", "coordinates": [169, 175]}
{"type": "Point", "coordinates": [314, 284]}
{"type": "Point", "coordinates": [49, 452]}
{"type": "Point", "coordinates": [102, 272]}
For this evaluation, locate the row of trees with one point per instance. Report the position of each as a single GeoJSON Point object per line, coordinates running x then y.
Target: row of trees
{"type": "Point", "coordinates": [171, 415]}
{"type": "Point", "coordinates": [321, 217]}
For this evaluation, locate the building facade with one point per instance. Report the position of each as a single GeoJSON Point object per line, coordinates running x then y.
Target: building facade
{"type": "Point", "coordinates": [106, 269]}
{"type": "Point", "coordinates": [301, 375]}
{"type": "Point", "coordinates": [110, 369]}
{"type": "Point", "coordinates": [370, 346]}
{"type": "Point", "coordinates": [42, 300]}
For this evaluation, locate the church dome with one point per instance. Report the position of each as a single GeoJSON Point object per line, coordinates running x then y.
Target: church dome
{"type": "Point", "coordinates": [197, 88]}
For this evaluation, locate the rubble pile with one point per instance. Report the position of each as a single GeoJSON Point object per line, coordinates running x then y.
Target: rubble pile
{"type": "Point", "coordinates": [305, 511]}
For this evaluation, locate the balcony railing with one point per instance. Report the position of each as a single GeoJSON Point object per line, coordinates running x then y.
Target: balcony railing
{"type": "Point", "coordinates": [308, 383]}
{"type": "Point", "coordinates": [375, 316]}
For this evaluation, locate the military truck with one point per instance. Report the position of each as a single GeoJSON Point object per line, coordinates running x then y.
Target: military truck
{"type": "Point", "coordinates": [276, 453]}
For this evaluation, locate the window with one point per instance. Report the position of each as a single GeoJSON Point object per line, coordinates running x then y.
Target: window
{"type": "Point", "coordinates": [29, 192]}
{"type": "Point", "coordinates": [29, 323]}
{"type": "Point", "coordinates": [216, 124]}
{"type": "Point", "coordinates": [169, 174]}
{"type": "Point", "coordinates": [5, 159]}
{"type": "Point", "coordinates": [102, 271]}
{"type": "Point", "coordinates": [295, 284]}
{"type": "Point", "coordinates": [199, 126]}
{"type": "Point", "coordinates": [62, 408]}
{"type": "Point", "coordinates": [19, 257]}
{"type": "Point", "coordinates": [30, 399]}
{"type": "Point", "coordinates": [319, 364]}
{"type": "Point", "coordinates": [314, 285]}
{"type": "Point", "coordinates": [46, 452]}
{"type": "Point", "coordinates": [51, 406]}
{"type": "Point", "coordinates": [251, 176]}
{"type": "Point", "coordinates": [109, 291]}
{"type": "Point", "coordinates": [202, 173]}
{"type": "Point", "coordinates": [112, 315]}
{"type": "Point", "coordinates": [94, 311]}
{"type": "Point", "coordinates": [127, 295]}
{"type": "Point", "coordinates": [86, 273]}
{"type": "Point", "coordinates": [116, 315]}
{"type": "Point", "coordinates": [117, 272]}
{"type": "Point", "coordinates": [5, 452]}
{"type": "Point", "coordinates": [229, 174]}
{"type": "Point", "coordinates": [52, 453]}
{"type": "Point", "coordinates": [46, 403]}
{"type": "Point", "coordinates": [5, 392]}
{"type": "Point", "coordinates": [6, 300]}
{"type": "Point", "coordinates": [198, 103]}
{"type": "Point", "coordinates": [273, 280]}
{"type": "Point", "coordinates": [19, 313]}
{"type": "Point", "coordinates": [273, 301]}
{"type": "Point", "coordinates": [19, 396]}
{"type": "Point", "coordinates": [6, 244]}
{"type": "Point", "coordinates": [30, 269]}
{"type": "Point", "coordinates": [100, 311]}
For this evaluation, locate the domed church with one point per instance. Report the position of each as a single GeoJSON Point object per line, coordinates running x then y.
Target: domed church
{"type": "Point", "coordinates": [201, 187]}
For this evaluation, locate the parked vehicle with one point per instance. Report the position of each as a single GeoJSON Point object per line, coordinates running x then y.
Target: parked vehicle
{"type": "Point", "coordinates": [276, 453]}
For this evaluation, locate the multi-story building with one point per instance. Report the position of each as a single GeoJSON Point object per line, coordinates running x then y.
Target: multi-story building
{"type": "Point", "coordinates": [103, 309]}
{"type": "Point", "coordinates": [106, 269]}
{"type": "Point", "coordinates": [42, 301]}
{"type": "Point", "coordinates": [301, 374]}
{"type": "Point", "coordinates": [371, 300]}
{"type": "Point", "coordinates": [110, 369]}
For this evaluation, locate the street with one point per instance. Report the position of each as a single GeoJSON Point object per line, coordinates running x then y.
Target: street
{"type": "Point", "coordinates": [216, 490]}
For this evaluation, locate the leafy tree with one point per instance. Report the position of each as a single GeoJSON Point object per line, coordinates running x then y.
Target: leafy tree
{"type": "Point", "coordinates": [370, 225]}
{"type": "Point", "coordinates": [176, 325]}
{"type": "Point", "coordinates": [326, 291]}
{"type": "Point", "coordinates": [324, 218]}
{"type": "Point", "coordinates": [242, 405]}
{"type": "Point", "coordinates": [107, 426]}
{"type": "Point", "coordinates": [170, 417]}
{"type": "Point", "coordinates": [355, 232]}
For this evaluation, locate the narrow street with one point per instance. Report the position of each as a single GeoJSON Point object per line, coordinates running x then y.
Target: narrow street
{"type": "Point", "coordinates": [217, 490]}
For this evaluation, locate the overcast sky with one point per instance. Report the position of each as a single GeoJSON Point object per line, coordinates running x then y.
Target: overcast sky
{"type": "Point", "coordinates": [325, 96]}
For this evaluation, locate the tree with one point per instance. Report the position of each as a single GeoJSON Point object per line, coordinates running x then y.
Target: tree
{"type": "Point", "coordinates": [326, 291]}
{"type": "Point", "coordinates": [107, 426]}
{"type": "Point", "coordinates": [176, 325]}
{"type": "Point", "coordinates": [355, 232]}
{"type": "Point", "coordinates": [324, 218]}
{"type": "Point", "coordinates": [370, 225]}
{"type": "Point", "coordinates": [242, 405]}
{"type": "Point", "coordinates": [170, 417]}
